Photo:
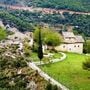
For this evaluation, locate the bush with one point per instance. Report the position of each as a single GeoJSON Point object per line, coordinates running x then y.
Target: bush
{"type": "Point", "coordinates": [55, 87]}
{"type": "Point", "coordinates": [35, 47]}
{"type": "Point", "coordinates": [3, 33]}
{"type": "Point", "coordinates": [87, 47]}
{"type": "Point", "coordinates": [46, 60]}
{"type": "Point", "coordinates": [86, 64]}
{"type": "Point", "coordinates": [51, 87]}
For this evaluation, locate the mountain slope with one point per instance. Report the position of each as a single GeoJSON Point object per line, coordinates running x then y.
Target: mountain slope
{"type": "Point", "coordinates": [13, 2]}
{"type": "Point", "coordinates": [77, 5]}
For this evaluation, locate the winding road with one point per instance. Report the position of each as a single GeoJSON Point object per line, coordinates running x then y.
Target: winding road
{"type": "Point", "coordinates": [43, 10]}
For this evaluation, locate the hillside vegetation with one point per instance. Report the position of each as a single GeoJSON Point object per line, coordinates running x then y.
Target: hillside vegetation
{"type": "Point", "coordinates": [15, 21]}
{"type": "Point", "coordinates": [3, 34]}
{"type": "Point", "coordinates": [15, 73]}
{"type": "Point", "coordinates": [77, 5]}
{"type": "Point", "coordinates": [25, 20]}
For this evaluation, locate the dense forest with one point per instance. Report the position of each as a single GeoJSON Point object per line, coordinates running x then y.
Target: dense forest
{"type": "Point", "coordinates": [25, 20]}
{"type": "Point", "coordinates": [77, 5]}
{"type": "Point", "coordinates": [15, 21]}
{"type": "Point", "coordinates": [9, 1]}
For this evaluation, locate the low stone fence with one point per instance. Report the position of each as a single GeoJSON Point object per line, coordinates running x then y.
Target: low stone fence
{"type": "Point", "coordinates": [46, 76]}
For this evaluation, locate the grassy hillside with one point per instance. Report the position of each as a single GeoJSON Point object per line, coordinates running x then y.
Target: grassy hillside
{"type": "Point", "coordinates": [77, 5]}
{"type": "Point", "coordinates": [70, 72]}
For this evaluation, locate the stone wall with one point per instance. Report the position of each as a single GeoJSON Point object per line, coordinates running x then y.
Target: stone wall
{"type": "Point", "coordinates": [76, 48]}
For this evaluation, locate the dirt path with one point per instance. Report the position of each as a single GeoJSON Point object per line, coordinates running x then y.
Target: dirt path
{"type": "Point", "coordinates": [43, 10]}
{"type": "Point", "coordinates": [53, 60]}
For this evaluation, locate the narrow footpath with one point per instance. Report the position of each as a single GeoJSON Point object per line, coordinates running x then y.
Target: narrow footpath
{"type": "Point", "coordinates": [52, 61]}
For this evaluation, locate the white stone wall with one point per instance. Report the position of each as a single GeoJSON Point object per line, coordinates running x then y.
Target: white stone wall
{"type": "Point", "coordinates": [76, 48]}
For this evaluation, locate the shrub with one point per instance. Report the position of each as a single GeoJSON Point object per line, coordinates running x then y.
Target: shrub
{"type": "Point", "coordinates": [55, 87]}
{"type": "Point", "coordinates": [35, 48]}
{"type": "Point", "coordinates": [3, 33]}
{"type": "Point", "coordinates": [51, 87]}
{"type": "Point", "coordinates": [87, 47]}
{"type": "Point", "coordinates": [46, 60]}
{"type": "Point", "coordinates": [86, 64]}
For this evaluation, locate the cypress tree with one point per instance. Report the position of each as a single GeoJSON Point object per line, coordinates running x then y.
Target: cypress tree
{"type": "Point", "coordinates": [40, 52]}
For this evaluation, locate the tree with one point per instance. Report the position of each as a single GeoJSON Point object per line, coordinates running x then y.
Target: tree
{"type": "Point", "coordinates": [3, 33]}
{"type": "Point", "coordinates": [87, 46]}
{"type": "Point", "coordinates": [52, 38]}
{"type": "Point", "coordinates": [49, 36]}
{"type": "Point", "coordinates": [40, 52]}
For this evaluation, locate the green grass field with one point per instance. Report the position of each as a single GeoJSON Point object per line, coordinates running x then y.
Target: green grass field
{"type": "Point", "coordinates": [70, 72]}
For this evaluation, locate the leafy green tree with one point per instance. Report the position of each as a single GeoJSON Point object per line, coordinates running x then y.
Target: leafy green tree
{"type": "Point", "coordinates": [3, 33]}
{"type": "Point", "coordinates": [49, 37]}
{"type": "Point", "coordinates": [53, 38]}
{"type": "Point", "coordinates": [87, 46]}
